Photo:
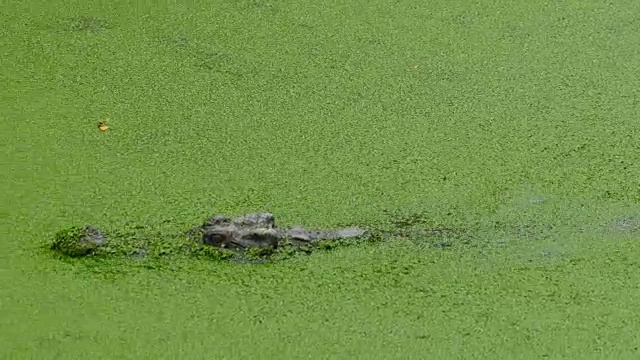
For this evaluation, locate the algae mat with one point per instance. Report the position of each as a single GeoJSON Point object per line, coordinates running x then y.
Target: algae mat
{"type": "Point", "coordinates": [516, 121]}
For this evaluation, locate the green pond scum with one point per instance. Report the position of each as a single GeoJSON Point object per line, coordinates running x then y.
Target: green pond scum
{"type": "Point", "coordinates": [492, 145]}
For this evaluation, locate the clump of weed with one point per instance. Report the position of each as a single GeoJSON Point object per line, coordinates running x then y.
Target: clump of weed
{"type": "Point", "coordinates": [328, 245]}
{"type": "Point", "coordinates": [259, 253]}
{"type": "Point", "coordinates": [211, 253]}
{"type": "Point", "coordinates": [78, 241]}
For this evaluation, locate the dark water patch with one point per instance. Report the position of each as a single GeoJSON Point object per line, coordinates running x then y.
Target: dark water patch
{"type": "Point", "coordinates": [534, 227]}
{"type": "Point", "coordinates": [552, 252]}
{"type": "Point", "coordinates": [88, 24]}
{"type": "Point", "coordinates": [626, 224]}
{"type": "Point", "coordinates": [263, 6]}
{"type": "Point", "coordinates": [424, 228]}
{"type": "Point", "coordinates": [208, 57]}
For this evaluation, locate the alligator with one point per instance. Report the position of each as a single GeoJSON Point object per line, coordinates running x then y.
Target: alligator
{"type": "Point", "coordinates": [252, 231]}
{"type": "Point", "coordinates": [259, 230]}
